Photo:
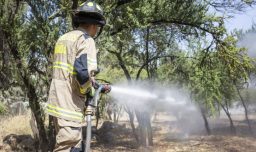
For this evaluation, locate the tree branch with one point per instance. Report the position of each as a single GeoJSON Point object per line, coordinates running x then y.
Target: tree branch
{"type": "Point", "coordinates": [152, 59]}
{"type": "Point", "coordinates": [179, 22]}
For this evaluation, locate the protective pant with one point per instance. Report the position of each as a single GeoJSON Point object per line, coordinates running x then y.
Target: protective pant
{"type": "Point", "coordinates": [67, 137]}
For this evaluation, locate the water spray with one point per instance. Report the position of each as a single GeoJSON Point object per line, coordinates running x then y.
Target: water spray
{"type": "Point", "coordinates": [132, 92]}
{"type": "Point", "coordinates": [140, 95]}
{"type": "Point", "coordinates": [174, 102]}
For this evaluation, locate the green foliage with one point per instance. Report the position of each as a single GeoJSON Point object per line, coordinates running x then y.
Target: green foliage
{"type": "Point", "coordinates": [190, 48]}
{"type": "Point", "coordinates": [3, 109]}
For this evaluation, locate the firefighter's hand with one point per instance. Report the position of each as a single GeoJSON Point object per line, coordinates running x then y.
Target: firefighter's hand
{"type": "Point", "coordinates": [95, 85]}
{"type": "Point", "coordinates": [106, 88]}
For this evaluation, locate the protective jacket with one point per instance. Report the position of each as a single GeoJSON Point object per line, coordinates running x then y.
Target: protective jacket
{"type": "Point", "coordinates": [74, 59]}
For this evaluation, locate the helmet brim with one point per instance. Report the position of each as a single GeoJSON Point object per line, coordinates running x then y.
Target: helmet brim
{"type": "Point", "coordinates": [90, 18]}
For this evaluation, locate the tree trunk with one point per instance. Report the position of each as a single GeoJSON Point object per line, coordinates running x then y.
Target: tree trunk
{"type": "Point", "coordinates": [97, 116]}
{"type": "Point", "coordinates": [2, 46]}
{"type": "Point", "coordinates": [51, 133]}
{"type": "Point", "coordinates": [147, 52]}
{"type": "Point", "coordinates": [74, 6]}
{"type": "Point", "coordinates": [232, 127]}
{"type": "Point", "coordinates": [33, 99]}
{"type": "Point", "coordinates": [115, 117]}
{"type": "Point", "coordinates": [131, 118]}
{"type": "Point", "coordinates": [206, 124]}
{"type": "Point", "coordinates": [124, 68]}
{"type": "Point", "coordinates": [36, 109]}
{"type": "Point", "coordinates": [145, 129]}
{"type": "Point", "coordinates": [245, 110]}
{"type": "Point", "coordinates": [5, 73]}
{"type": "Point", "coordinates": [34, 129]}
{"type": "Point", "coordinates": [118, 115]}
{"type": "Point", "coordinates": [150, 132]}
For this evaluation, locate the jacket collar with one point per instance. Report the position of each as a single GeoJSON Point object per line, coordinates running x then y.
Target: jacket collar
{"type": "Point", "coordinates": [83, 30]}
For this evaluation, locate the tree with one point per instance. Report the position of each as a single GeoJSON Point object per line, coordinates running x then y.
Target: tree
{"type": "Point", "coordinates": [23, 22]}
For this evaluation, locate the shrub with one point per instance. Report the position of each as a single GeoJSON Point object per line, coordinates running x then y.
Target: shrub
{"type": "Point", "coordinates": [3, 109]}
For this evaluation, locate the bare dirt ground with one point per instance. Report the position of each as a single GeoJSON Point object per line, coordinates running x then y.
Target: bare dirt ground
{"type": "Point", "coordinates": [172, 135]}
{"type": "Point", "coordinates": [169, 136]}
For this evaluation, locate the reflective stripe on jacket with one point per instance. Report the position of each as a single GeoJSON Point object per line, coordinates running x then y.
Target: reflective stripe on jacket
{"type": "Point", "coordinates": [74, 58]}
{"type": "Point", "coordinates": [65, 113]}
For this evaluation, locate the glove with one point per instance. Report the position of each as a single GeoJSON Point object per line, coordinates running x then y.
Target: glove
{"type": "Point", "coordinates": [95, 85]}
{"type": "Point", "coordinates": [106, 88]}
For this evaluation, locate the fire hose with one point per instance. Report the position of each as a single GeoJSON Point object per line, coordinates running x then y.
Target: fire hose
{"type": "Point", "coordinates": [91, 105]}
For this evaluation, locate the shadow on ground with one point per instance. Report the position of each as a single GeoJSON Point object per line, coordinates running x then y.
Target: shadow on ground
{"type": "Point", "coordinates": [21, 143]}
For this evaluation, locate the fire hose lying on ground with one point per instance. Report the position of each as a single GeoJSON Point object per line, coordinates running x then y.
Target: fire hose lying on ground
{"type": "Point", "coordinates": [91, 105]}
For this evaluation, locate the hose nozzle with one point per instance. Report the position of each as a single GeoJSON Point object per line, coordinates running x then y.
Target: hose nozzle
{"type": "Point", "coordinates": [106, 88]}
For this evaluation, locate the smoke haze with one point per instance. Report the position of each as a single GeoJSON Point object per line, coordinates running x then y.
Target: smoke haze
{"type": "Point", "coordinates": [249, 42]}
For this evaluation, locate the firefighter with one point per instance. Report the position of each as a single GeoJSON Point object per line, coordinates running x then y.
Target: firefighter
{"type": "Point", "coordinates": [74, 69]}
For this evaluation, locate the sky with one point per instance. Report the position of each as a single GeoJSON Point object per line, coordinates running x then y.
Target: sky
{"type": "Point", "coordinates": [242, 21]}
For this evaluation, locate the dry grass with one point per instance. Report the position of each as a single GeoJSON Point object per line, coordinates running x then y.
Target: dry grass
{"type": "Point", "coordinates": [16, 125]}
